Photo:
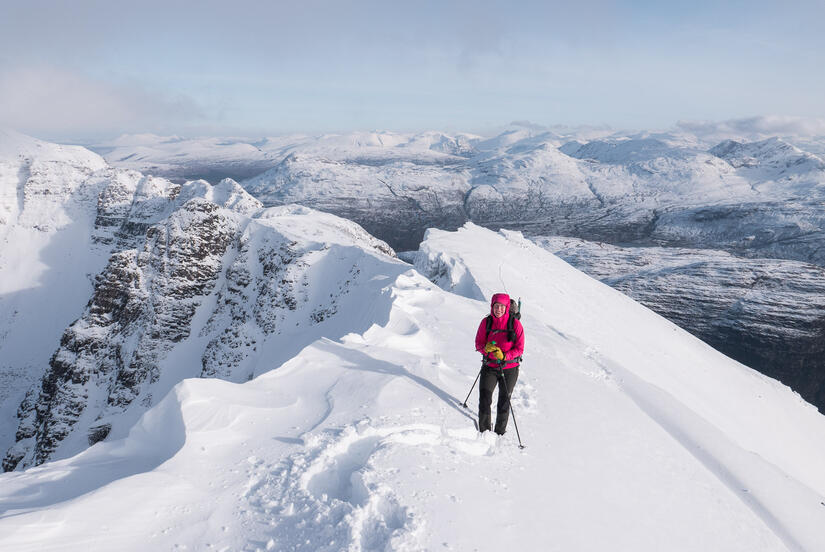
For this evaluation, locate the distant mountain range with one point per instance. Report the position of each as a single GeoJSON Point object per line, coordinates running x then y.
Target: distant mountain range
{"type": "Point", "coordinates": [751, 195]}
{"type": "Point", "coordinates": [761, 199]}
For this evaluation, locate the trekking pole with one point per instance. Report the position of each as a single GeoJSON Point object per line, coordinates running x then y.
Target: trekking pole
{"type": "Point", "coordinates": [464, 404]}
{"type": "Point", "coordinates": [510, 404]}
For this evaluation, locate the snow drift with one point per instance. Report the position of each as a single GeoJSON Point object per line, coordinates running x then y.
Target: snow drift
{"type": "Point", "coordinates": [351, 435]}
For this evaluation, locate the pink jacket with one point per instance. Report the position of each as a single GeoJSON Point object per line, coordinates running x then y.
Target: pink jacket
{"type": "Point", "coordinates": [498, 333]}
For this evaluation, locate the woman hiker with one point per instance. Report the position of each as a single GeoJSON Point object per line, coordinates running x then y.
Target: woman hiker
{"type": "Point", "coordinates": [502, 349]}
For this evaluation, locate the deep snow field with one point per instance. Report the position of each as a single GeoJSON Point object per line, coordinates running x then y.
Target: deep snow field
{"type": "Point", "coordinates": [638, 436]}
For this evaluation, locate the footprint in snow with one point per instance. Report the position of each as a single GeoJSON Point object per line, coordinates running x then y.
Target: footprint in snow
{"type": "Point", "coordinates": [332, 497]}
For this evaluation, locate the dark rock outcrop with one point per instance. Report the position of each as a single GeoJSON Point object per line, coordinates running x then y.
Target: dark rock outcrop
{"type": "Point", "coordinates": [208, 285]}
{"type": "Point", "coordinates": [143, 305]}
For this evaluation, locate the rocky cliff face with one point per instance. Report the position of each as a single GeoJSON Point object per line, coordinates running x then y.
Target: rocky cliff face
{"type": "Point", "coordinates": [160, 267]}
{"type": "Point", "coordinates": [63, 213]}
{"type": "Point", "coordinates": [143, 304]}
{"type": "Point", "coordinates": [767, 314]}
{"type": "Point", "coordinates": [205, 278]}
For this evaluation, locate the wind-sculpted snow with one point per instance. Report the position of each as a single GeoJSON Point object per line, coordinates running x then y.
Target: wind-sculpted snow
{"type": "Point", "coordinates": [355, 438]}
{"type": "Point", "coordinates": [276, 379]}
{"type": "Point", "coordinates": [643, 376]}
{"type": "Point", "coordinates": [757, 198]}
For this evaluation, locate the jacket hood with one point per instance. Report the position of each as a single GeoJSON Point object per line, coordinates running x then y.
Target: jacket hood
{"type": "Point", "coordinates": [502, 298]}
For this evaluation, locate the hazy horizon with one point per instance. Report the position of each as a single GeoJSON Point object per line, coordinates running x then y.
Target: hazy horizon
{"type": "Point", "coordinates": [87, 70]}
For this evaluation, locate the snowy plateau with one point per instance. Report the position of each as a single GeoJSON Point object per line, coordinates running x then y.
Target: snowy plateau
{"type": "Point", "coordinates": [185, 368]}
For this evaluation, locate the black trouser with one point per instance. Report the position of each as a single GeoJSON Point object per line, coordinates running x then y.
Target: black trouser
{"type": "Point", "coordinates": [490, 377]}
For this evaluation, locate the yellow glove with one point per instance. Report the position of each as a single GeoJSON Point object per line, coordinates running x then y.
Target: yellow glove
{"type": "Point", "coordinates": [493, 350]}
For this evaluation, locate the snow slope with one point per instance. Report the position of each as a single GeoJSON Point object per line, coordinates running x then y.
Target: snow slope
{"type": "Point", "coordinates": [639, 436]}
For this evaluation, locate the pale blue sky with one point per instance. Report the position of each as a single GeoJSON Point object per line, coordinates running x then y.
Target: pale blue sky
{"type": "Point", "coordinates": [92, 69]}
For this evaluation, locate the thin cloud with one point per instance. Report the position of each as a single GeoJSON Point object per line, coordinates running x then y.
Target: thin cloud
{"type": "Point", "coordinates": [54, 103]}
{"type": "Point", "coordinates": [756, 127]}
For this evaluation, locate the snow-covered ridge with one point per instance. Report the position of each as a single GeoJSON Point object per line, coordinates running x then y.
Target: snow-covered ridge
{"type": "Point", "coordinates": [753, 199]}
{"type": "Point", "coordinates": [648, 188]}
{"type": "Point", "coordinates": [355, 438]}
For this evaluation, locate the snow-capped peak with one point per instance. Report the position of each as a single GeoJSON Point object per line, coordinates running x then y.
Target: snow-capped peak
{"type": "Point", "coordinates": [773, 154]}
{"type": "Point", "coordinates": [16, 148]}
